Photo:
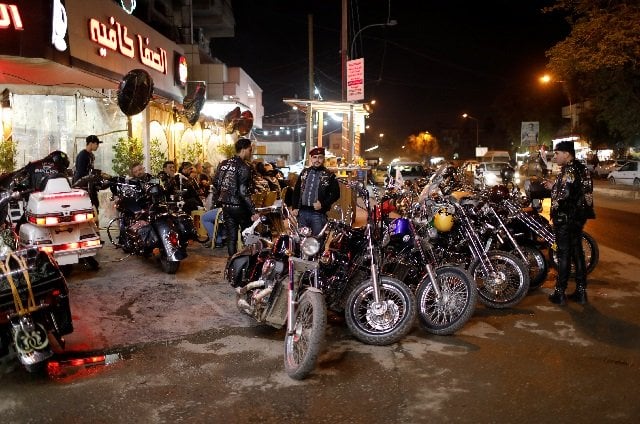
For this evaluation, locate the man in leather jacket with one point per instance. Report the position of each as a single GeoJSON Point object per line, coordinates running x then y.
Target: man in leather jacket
{"type": "Point", "coordinates": [315, 191]}
{"type": "Point", "coordinates": [231, 191]}
{"type": "Point", "coordinates": [571, 206]}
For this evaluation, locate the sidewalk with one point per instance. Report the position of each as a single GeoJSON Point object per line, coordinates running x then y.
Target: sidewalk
{"type": "Point", "coordinates": [603, 187]}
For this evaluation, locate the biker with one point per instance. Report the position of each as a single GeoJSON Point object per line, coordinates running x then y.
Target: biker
{"type": "Point", "coordinates": [189, 188]}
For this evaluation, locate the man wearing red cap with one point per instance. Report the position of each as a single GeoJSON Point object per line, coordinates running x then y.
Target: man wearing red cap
{"type": "Point", "coordinates": [571, 206]}
{"type": "Point", "coordinates": [315, 191]}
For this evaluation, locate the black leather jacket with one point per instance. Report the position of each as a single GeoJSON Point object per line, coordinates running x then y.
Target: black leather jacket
{"type": "Point", "coordinates": [572, 195]}
{"type": "Point", "coordinates": [328, 189]}
{"type": "Point", "coordinates": [231, 184]}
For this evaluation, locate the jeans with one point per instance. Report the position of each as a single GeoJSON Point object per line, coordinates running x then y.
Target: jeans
{"type": "Point", "coordinates": [208, 221]}
{"type": "Point", "coordinates": [312, 219]}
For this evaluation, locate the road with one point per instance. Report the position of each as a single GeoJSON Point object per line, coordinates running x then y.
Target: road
{"type": "Point", "coordinates": [188, 355]}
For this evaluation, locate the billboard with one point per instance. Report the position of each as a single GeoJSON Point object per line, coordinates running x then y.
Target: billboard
{"type": "Point", "coordinates": [355, 80]}
{"type": "Point", "coordinates": [529, 133]}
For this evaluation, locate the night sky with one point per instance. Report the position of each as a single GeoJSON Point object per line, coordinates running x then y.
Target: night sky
{"type": "Point", "coordinates": [443, 58]}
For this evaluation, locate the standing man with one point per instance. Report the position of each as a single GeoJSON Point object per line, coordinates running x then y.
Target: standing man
{"type": "Point", "coordinates": [571, 206]}
{"type": "Point", "coordinates": [84, 166]}
{"type": "Point", "coordinates": [315, 191]}
{"type": "Point", "coordinates": [231, 184]}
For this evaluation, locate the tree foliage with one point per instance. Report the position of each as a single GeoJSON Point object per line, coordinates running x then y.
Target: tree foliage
{"type": "Point", "coordinates": [424, 144]}
{"type": "Point", "coordinates": [600, 61]}
{"type": "Point", "coordinates": [127, 151]}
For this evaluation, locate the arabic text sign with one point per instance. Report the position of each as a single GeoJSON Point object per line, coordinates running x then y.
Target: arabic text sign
{"type": "Point", "coordinates": [115, 37]}
{"type": "Point", "coordinates": [355, 79]}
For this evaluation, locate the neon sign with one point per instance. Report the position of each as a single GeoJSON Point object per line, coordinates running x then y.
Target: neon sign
{"type": "Point", "coordinates": [131, 8]}
{"type": "Point", "coordinates": [59, 26]}
{"type": "Point", "coordinates": [115, 37]}
{"type": "Point", "coordinates": [10, 13]}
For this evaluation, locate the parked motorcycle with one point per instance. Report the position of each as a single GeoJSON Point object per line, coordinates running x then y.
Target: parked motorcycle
{"type": "Point", "coordinates": [145, 226]}
{"type": "Point", "coordinates": [378, 308]}
{"type": "Point", "coordinates": [34, 300]}
{"type": "Point", "coordinates": [276, 284]}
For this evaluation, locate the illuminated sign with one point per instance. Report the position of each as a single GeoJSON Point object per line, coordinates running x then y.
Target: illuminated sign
{"type": "Point", "coordinates": [59, 26]}
{"type": "Point", "coordinates": [115, 37]}
{"type": "Point", "coordinates": [9, 13]}
{"type": "Point", "coordinates": [128, 5]}
{"type": "Point", "coordinates": [181, 70]}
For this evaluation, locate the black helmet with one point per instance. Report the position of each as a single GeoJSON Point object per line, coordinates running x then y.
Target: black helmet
{"type": "Point", "coordinates": [59, 159]}
{"type": "Point", "coordinates": [507, 173]}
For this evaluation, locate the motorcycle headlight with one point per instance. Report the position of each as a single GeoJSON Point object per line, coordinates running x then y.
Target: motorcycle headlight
{"type": "Point", "coordinates": [310, 246]}
{"type": "Point", "coordinates": [305, 231]}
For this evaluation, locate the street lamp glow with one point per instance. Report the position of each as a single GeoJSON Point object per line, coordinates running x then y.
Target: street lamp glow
{"type": "Point", "coordinates": [467, 116]}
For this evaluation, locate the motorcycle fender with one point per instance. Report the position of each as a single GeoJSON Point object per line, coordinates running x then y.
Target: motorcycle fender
{"type": "Point", "coordinates": [237, 264]}
{"type": "Point", "coordinates": [163, 227]}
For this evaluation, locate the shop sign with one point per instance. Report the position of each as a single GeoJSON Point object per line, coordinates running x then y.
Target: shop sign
{"type": "Point", "coordinates": [115, 37]}
{"type": "Point", "coordinates": [10, 15]}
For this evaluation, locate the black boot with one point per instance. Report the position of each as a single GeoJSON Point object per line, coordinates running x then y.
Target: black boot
{"type": "Point", "coordinates": [580, 295]}
{"type": "Point", "coordinates": [558, 297]}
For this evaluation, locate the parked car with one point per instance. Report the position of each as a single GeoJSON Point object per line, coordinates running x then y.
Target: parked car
{"type": "Point", "coordinates": [488, 174]}
{"type": "Point", "coordinates": [606, 166]}
{"type": "Point", "coordinates": [410, 171]}
{"type": "Point", "coordinates": [628, 174]}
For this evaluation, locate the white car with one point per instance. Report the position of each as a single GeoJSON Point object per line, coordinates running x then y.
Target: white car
{"type": "Point", "coordinates": [487, 174]}
{"type": "Point", "coordinates": [628, 174]}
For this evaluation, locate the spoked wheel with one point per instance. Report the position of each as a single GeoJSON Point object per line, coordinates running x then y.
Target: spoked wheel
{"type": "Point", "coordinates": [537, 265]}
{"type": "Point", "coordinates": [384, 322]}
{"type": "Point", "coordinates": [447, 313]}
{"type": "Point", "coordinates": [591, 254]}
{"type": "Point", "coordinates": [303, 346]}
{"type": "Point", "coordinates": [505, 287]}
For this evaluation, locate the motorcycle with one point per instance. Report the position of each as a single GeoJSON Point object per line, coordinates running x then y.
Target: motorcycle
{"type": "Point", "coordinates": [34, 300]}
{"type": "Point", "coordinates": [276, 284]}
{"type": "Point", "coordinates": [145, 226]}
{"type": "Point", "coordinates": [57, 219]}
{"type": "Point", "coordinates": [450, 219]}
{"type": "Point", "coordinates": [378, 308]}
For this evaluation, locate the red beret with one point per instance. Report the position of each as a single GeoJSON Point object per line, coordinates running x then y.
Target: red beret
{"type": "Point", "coordinates": [317, 151]}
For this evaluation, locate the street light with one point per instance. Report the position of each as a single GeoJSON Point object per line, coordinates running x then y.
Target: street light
{"type": "Point", "coordinates": [467, 116]}
{"type": "Point", "coordinates": [391, 22]}
{"type": "Point", "coordinates": [547, 79]}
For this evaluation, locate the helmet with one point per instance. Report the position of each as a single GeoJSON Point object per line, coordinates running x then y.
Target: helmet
{"type": "Point", "coordinates": [507, 173]}
{"type": "Point", "coordinates": [59, 159]}
{"type": "Point", "coordinates": [443, 220]}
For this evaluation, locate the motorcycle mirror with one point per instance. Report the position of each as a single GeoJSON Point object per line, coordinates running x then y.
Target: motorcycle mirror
{"type": "Point", "coordinates": [135, 91]}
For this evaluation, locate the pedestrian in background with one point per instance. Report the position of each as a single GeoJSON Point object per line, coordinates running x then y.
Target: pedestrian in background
{"type": "Point", "coordinates": [85, 164]}
{"type": "Point", "coordinates": [231, 190]}
{"type": "Point", "coordinates": [315, 191]}
{"type": "Point", "coordinates": [571, 206]}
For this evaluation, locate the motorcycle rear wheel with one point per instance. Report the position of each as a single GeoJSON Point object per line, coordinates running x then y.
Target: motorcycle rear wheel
{"type": "Point", "coordinates": [169, 267]}
{"type": "Point", "coordinates": [505, 289]}
{"type": "Point", "coordinates": [302, 348]}
{"type": "Point", "coordinates": [384, 323]}
{"type": "Point", "coordinates": [449, 313]}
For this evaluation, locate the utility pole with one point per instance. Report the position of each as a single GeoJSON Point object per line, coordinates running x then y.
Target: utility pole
{"type": "Point", "coordinates": [309, 132]}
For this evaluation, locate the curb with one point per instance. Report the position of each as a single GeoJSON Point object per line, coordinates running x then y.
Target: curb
{"type": "Point", "coordinates": [623, 193]}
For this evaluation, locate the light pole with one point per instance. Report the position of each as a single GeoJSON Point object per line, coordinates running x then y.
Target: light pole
{"type": "Point", "coordinates": [546, 79]}
{"type": "Point", "coordinates": [391, 22]}
{"type": "Point", "coordinates": [467, 116]}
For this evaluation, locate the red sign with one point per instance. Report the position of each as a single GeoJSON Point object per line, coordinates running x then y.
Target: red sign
{"type": "Point", "coordinates": [9, 14]}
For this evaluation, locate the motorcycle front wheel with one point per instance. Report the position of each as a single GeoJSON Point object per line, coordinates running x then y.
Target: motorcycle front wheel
{"type": "Point", "coordinates": [537, 264]}
{"type": "Point", "coordinates": [303, 346]}
{"type": "Point", "coordinates": [591, 254]}
{"type": "Point", "coordinates": [113, 232]}
{"type": "Point", "coordinates": [169, 267]}
{"type": "Point", "coordinates": [384, 322]}
{"type": "Point", "coordinates": [445, 314]}
{"type": "Point", "coordinates": [505, 287]}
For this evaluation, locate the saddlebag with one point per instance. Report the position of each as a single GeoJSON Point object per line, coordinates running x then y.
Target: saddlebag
{"type": "Point", "coordinates": [31, 283]}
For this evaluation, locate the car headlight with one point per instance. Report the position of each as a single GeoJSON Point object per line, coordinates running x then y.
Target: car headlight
{"type": "Point", "coordinates": [310, 246]}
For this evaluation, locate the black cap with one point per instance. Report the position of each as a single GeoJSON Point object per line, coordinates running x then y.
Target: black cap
{"type": "Point", "coordinates": [93, 139]}
{"type": "Point", "coordinates": [566, 146]}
